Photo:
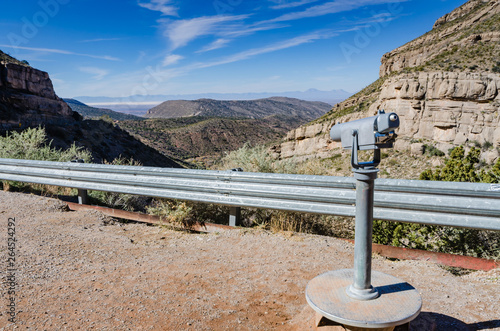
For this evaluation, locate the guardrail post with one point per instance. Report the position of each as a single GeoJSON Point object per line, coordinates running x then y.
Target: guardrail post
{"type": "Point", "coordinates": [83, 197]}
{"type": "Point", "coordinates": [234, 216]}
{"type": "Point", "coordinates": [234, 211]}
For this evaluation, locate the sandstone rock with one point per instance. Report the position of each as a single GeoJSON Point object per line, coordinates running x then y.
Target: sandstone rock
{"type": "Point", "coordinates": [440, 116]}
{"type": "Point", "coordinates": [27, 98]}
{"type": "Point", "coordinates": [417, 149]}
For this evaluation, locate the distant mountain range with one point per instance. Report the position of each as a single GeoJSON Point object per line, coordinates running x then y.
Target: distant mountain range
{"type": "Point", "coordinates": [92, 112]}
{"type": "Point", "coordinates": [139, 104]}
{"type": "Point", "coordinates": [260, 108]}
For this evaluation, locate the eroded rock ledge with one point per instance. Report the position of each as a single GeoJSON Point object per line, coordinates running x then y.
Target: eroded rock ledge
{"type": "Point", "coordinates": [445, 108]}
{"type": "Point", "coordinates": [27, 98]}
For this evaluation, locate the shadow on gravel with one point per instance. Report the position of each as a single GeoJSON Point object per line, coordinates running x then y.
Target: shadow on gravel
{"type": "Point", "coordinates": [428, 321]}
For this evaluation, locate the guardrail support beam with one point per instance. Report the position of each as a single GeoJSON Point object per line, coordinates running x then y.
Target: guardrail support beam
{"type": "Point", "coordinates": [234, 216]}
{"type": "Point", "coordinates": [234, 211]}
{"type": "Point", "coordinates": [83, 197]}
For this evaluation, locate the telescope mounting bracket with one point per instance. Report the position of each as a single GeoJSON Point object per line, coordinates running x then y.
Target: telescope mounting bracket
{"type": "Point", "coordinates": [354, 155]}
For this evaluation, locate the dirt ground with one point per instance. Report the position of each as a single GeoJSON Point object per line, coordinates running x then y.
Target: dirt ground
{"type": "Point", "coordinates": [83, 270]}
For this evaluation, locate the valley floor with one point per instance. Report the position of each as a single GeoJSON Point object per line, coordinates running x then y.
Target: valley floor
{"type": "Point", "coordinates": [82, 270]}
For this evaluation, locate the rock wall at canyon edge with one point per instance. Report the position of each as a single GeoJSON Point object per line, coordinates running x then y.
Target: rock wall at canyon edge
{"type": "Point", "coordinates": [27, 98]}
{"type": "Point", "coordinates": [439, 107]}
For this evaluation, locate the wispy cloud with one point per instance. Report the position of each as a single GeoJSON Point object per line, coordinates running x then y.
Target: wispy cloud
{"type": "Point", "coordinates": [163, 6]}
{"type": "Point", "coordinates": [307, 38]}
{"type": "Point", "coordinates": [331, 7]}
{"type": "Point", "coordinates": [98, 73]}
{"type": "Point", "coordinates": [281, 4]}
{"type": "Point", "coordinates": [219, 43]}
{"type": "Point", "coordinates": [171, 59]}
{"type": "Point", "coordinates": [61, 51]}
{"type": "Point", "coordinates": [181, 32]}
{"type": "Point", "coordinates": [100, 39]}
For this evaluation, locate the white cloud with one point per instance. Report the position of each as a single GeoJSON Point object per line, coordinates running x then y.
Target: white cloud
{"type": "Point", "coordinates": [219, 43]}
{"type": "Point", "coordinates": [163, 6]}
{"type": "Point", "coordinates": [98, 73]}
{"type": "Point", "coordinates": [307, 38]}
{"type": "Point", "coordinates": [171, 59]}
{"type": "Point", "coordinates": [331, 7]}
{"type": "Point", "coordinates": [181, 32]}
{"type": "Point", "coordinates": [100, 39]}
{"type": "Point", "coordinates": [281, 4]}
{"type": "Point", "coordinates": [61, 51]}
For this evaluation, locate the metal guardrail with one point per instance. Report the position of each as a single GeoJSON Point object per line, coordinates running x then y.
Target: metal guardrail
{"type": "Point", "coordinates": [470, 205]}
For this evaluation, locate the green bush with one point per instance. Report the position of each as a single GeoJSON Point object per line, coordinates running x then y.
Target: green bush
{"type": "Point", "coordinates": [256, 159]}
{"type": "Point", "coordinates": [187, 213]}
{"type": "Point", "coordinates": [432, 151]}
{"type": "Point", "coordinates": [31, 144]}
{"type": "Point", "coordinates": [458, 168]}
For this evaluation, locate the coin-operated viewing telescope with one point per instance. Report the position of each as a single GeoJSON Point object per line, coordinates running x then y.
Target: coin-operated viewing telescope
{"type": "Point", "coordinates": [347, 296]}
{"type": "Point", "coordinates": [371, 133]}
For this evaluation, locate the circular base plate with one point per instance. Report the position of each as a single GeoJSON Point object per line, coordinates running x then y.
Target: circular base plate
{"type": "Point", "coordinates": [398, 303]}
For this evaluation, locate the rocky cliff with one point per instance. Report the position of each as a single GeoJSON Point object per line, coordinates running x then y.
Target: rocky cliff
{"type": "Point", "coordinates": [444, 96]}
{"type": "Point", "coordinates": [28, 99]}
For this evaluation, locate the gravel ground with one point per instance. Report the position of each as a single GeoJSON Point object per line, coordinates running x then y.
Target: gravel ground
{"type": "Point", "coordinates": [83, 270]}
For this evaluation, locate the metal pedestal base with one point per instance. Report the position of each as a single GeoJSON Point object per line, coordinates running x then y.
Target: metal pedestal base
{"type": "Point", "coordinates": [398, 301]}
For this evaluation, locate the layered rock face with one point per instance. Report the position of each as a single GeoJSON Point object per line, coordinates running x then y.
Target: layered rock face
{"type": "Point", "coordinates": [27, 98]}
{"type": "Point", "coordinates": [443, 108]}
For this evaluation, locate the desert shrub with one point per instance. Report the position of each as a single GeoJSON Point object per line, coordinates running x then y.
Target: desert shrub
{"type": "Point", "coordinates": [31, 144]}
{"type": "Point", "coordinates": [187, 213]}
{"type": "Point", "coordinates": [432, 151]}
{"type": "Point", "coordinates": [459, 168]}
{"type": "Point", "coordinates": [279, 221]}
{"type": "Point", "coordinates": [172, 211]}
{"type": "Point", "coordinates": [256, 159]}
{"type": "Point", "coordinates": [487, 145]}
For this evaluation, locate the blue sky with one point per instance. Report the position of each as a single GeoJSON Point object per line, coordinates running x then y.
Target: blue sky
{"type": "Point", "coordinates": [130, 47]}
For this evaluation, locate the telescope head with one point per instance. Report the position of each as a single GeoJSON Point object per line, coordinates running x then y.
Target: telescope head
{"type": "Point", "coordinates": [371, 133]}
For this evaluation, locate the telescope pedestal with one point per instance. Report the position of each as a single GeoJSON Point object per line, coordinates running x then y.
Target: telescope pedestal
{"type": "Point", "coordinates": [398, 302]}
{"type": "Point", "coordinates": [359, 298]}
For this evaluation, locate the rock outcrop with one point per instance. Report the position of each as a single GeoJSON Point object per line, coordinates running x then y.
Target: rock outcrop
{"type": "Point", "coordinates": [27, 98]}
{"type": "Point", "coordinates": [467, 26]}
{"type": "Point", "coordinates": [440, 107]}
